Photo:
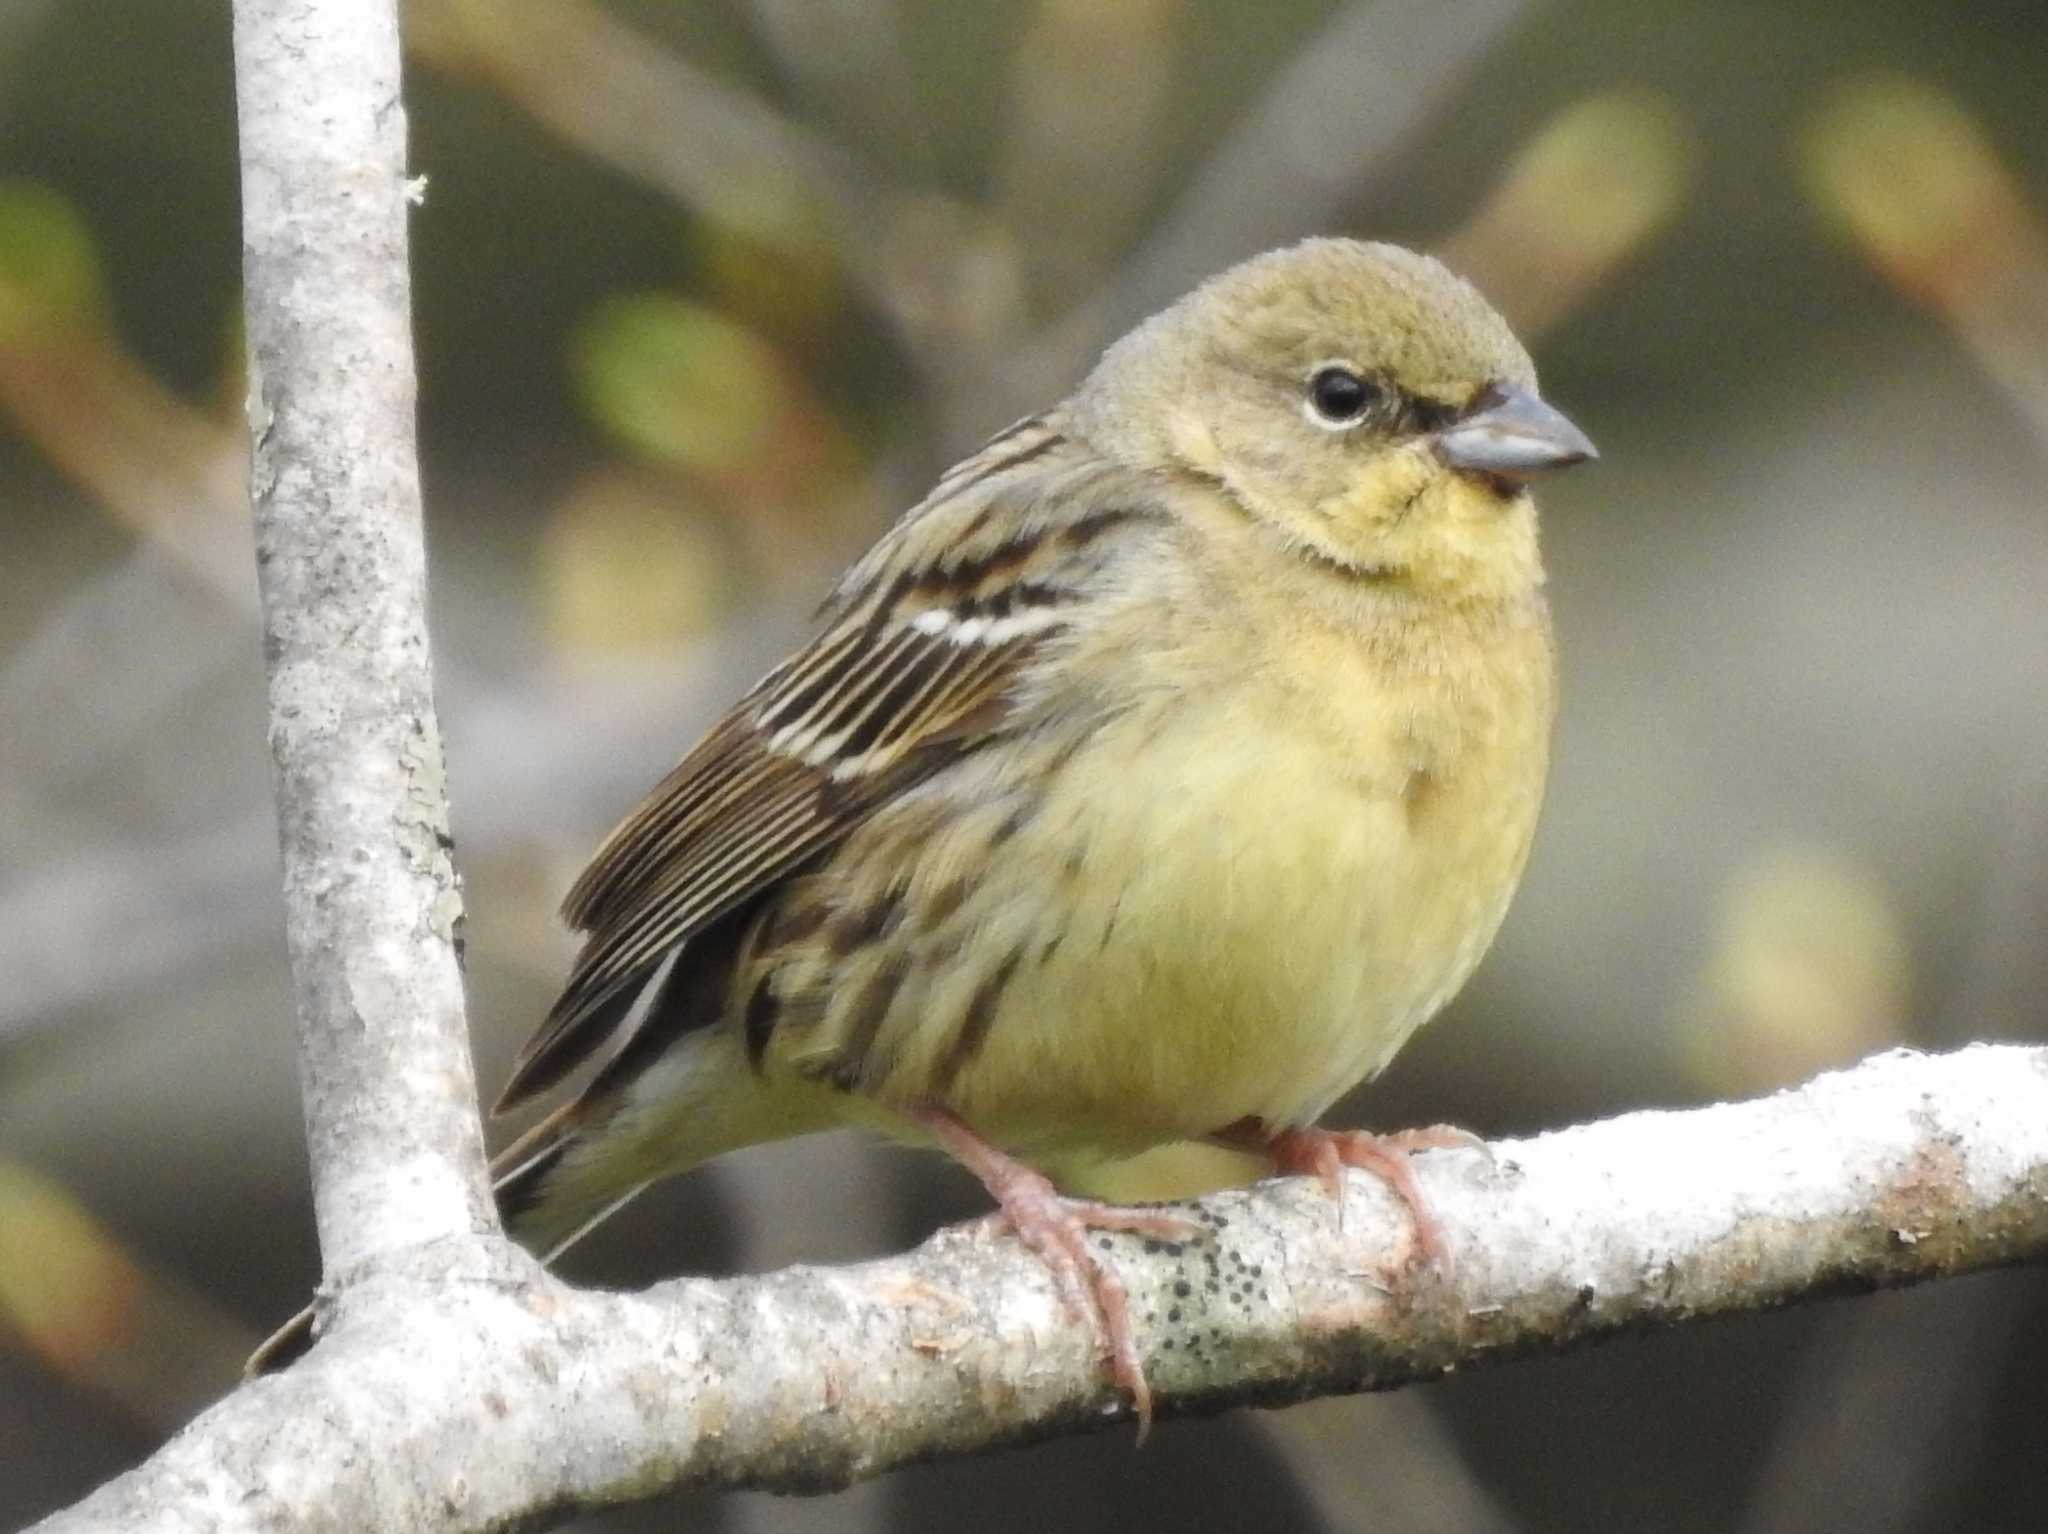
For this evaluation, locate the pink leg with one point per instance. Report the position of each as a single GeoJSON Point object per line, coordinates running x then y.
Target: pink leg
{"type": "Point", "coordinates": [1324, 1153]}
{"type": "Point", "coordinates": [1056, 1228]}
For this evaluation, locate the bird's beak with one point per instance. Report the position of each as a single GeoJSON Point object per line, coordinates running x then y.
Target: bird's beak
{"type": "Point", "coordinates": [1513, 434]}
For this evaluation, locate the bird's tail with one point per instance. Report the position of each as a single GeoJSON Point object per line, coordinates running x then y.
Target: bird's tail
{"type": "Point", "coordinates": [527, 1179]}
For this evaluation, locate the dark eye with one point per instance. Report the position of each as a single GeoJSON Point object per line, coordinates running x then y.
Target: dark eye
{"type": "Point", "coordinates": [1339, 397]}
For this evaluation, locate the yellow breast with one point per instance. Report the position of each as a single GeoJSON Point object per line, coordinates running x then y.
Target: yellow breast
{"type": "Point", "coordinates": [1278, 880]}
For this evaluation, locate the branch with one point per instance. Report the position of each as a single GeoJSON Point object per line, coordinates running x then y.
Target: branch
{"type": "Point", "coordinates": [371, 899]}
{"type": "Point", "coordinates": [467, 1390]}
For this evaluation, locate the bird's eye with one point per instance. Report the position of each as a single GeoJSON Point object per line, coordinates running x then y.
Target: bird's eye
{"type": "Point", "coordinates": [1338, 397]}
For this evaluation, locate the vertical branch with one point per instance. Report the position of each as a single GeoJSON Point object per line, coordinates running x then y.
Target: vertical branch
{"type": "Point", "coordinates": [371, 898]}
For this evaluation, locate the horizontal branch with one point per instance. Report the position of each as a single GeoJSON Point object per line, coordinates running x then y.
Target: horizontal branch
{"type": "Point", "coordinates": [468, 1390]}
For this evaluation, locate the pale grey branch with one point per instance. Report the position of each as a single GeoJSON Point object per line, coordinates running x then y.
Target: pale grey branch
{"type": "Point", "coordinates": [371, 898]}
{"type": "Point", "coordinates": [469, 1391]}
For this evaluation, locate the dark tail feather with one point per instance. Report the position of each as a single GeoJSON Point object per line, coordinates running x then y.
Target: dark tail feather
{"type": "Point", "coordinates": [519, 1177]}
{"type": "Point", "coordinates": [520, 1172]}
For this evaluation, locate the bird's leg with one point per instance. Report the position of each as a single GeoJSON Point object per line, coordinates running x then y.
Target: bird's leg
{"type": "Point", "coordinates": [1324, 1153]}
{"type": "Point", "coordinates": [1056, 1228]}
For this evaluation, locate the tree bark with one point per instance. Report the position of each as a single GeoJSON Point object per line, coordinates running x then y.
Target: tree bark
{"type": "Point", "coordinates": [466, 1390]}
{"type": "Point", "coordinates": [372, 904]}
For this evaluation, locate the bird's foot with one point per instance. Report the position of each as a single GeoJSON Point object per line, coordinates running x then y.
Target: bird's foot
{"type": "Point", "coordinates": [1324, 1153]}
{"type": "Point", "coordinates": [1056, 1228]}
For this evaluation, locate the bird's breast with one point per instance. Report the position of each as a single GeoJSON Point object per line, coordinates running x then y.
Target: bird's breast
{"type": "Point", "coordinates": [1262, 892]}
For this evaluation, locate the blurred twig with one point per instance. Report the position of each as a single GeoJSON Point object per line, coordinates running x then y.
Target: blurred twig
{"type": "Point", "coordinates": [950, 275]}
{"type": "Point", "coordinates": [546, 761]}
{"type": "Point", "coordinates": [164, 470]}
{"type": "Point", "coordinates": [718, 150]}
{"type": "Point", "coordinates": [1321, 128]}
{"type": "Point", "coordinates": [845, 62]}
{"type": "Point", "coordinates": [635, 106]}
{"type": "Point", "coordinates": [105, 924]}
{"type": "Point", "coordinates": [1383, 1462]}
{"type": "Point", "coordinates": [1916, 183]}
{"type": "Point", "coordinates": [114, 659]}
{"type": "Point", "coordinates": [105, 1322]}
{"type": "Point", "coordinates": [1579, 198]}
{"type": "Point", "coordinates": [1090, 90]}
{"type": "Point", "coordinates": [1886, 1413]}
{"type": "Point", "coordinates": [170, 473]}
{"type": "Point", "coordinates": [1911, 178]}
{"type": "Point", "coordinates": [1880, 1427]}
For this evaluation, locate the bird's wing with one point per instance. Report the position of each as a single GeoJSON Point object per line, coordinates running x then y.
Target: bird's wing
{"type": "Point", "coordinates": [925, 642]}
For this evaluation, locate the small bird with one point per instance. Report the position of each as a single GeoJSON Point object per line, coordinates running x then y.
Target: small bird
{"type": "Point", "coordinates": [1153, 779]}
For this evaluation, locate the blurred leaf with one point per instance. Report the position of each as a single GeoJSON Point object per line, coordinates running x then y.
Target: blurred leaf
{"type": "Point", "coordinates": [1581, 197]}
{"type": "Point", "coordinates": [627, 564]}
{"type": "Point", "coordinates": [640, 108]}
{"type": "Point", "coordinates": [171, 473]}
{"type": "Point", "coordinates": [697, 390]}
{"type": "Point", "coordinates": [1810, 969]}
{"type": "Point", "coordinates": [956, 281]}
{"type": "Point", "coordinates": [137, 1338]}
{"type": "Point", "coordinates": [1090, 93]}
{"type": "Point", "coordinates": [49, 270]}
{"type": "Point", "coordinates": [1913, 180]}
{"type": "Point", "coordinates": [769, 257]}
{"type": "Point", "coordinates": [679, 382]}
{"type": "Point", "coordinates": [65, 1285]}
{"type": "Point", "coordinates": [1916, 184]}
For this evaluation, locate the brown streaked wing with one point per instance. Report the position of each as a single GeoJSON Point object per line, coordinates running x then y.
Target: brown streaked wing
{"type": "Point", "coordinates": [914, 669]}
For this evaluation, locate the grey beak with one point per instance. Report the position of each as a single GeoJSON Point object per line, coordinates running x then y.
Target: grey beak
{"type": "Point", "coordinates": [1513, 434]}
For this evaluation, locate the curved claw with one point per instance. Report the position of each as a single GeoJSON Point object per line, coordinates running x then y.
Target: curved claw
{"type": "Point", "coordinates": [1324, 1153]}
{"type": "Point", "coordinates": [1056, 1228]}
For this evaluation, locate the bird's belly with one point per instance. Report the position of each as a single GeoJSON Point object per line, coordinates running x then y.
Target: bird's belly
{"type": "Point", "coordinates": [1250, 931]}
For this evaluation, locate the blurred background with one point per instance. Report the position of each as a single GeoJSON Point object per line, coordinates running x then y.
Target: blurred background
{"type": "Point", "coordinates": [708, 290]}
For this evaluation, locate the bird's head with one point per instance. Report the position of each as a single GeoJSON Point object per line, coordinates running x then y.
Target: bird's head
{"type": "Point", "coordinates": [1359, 401]}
